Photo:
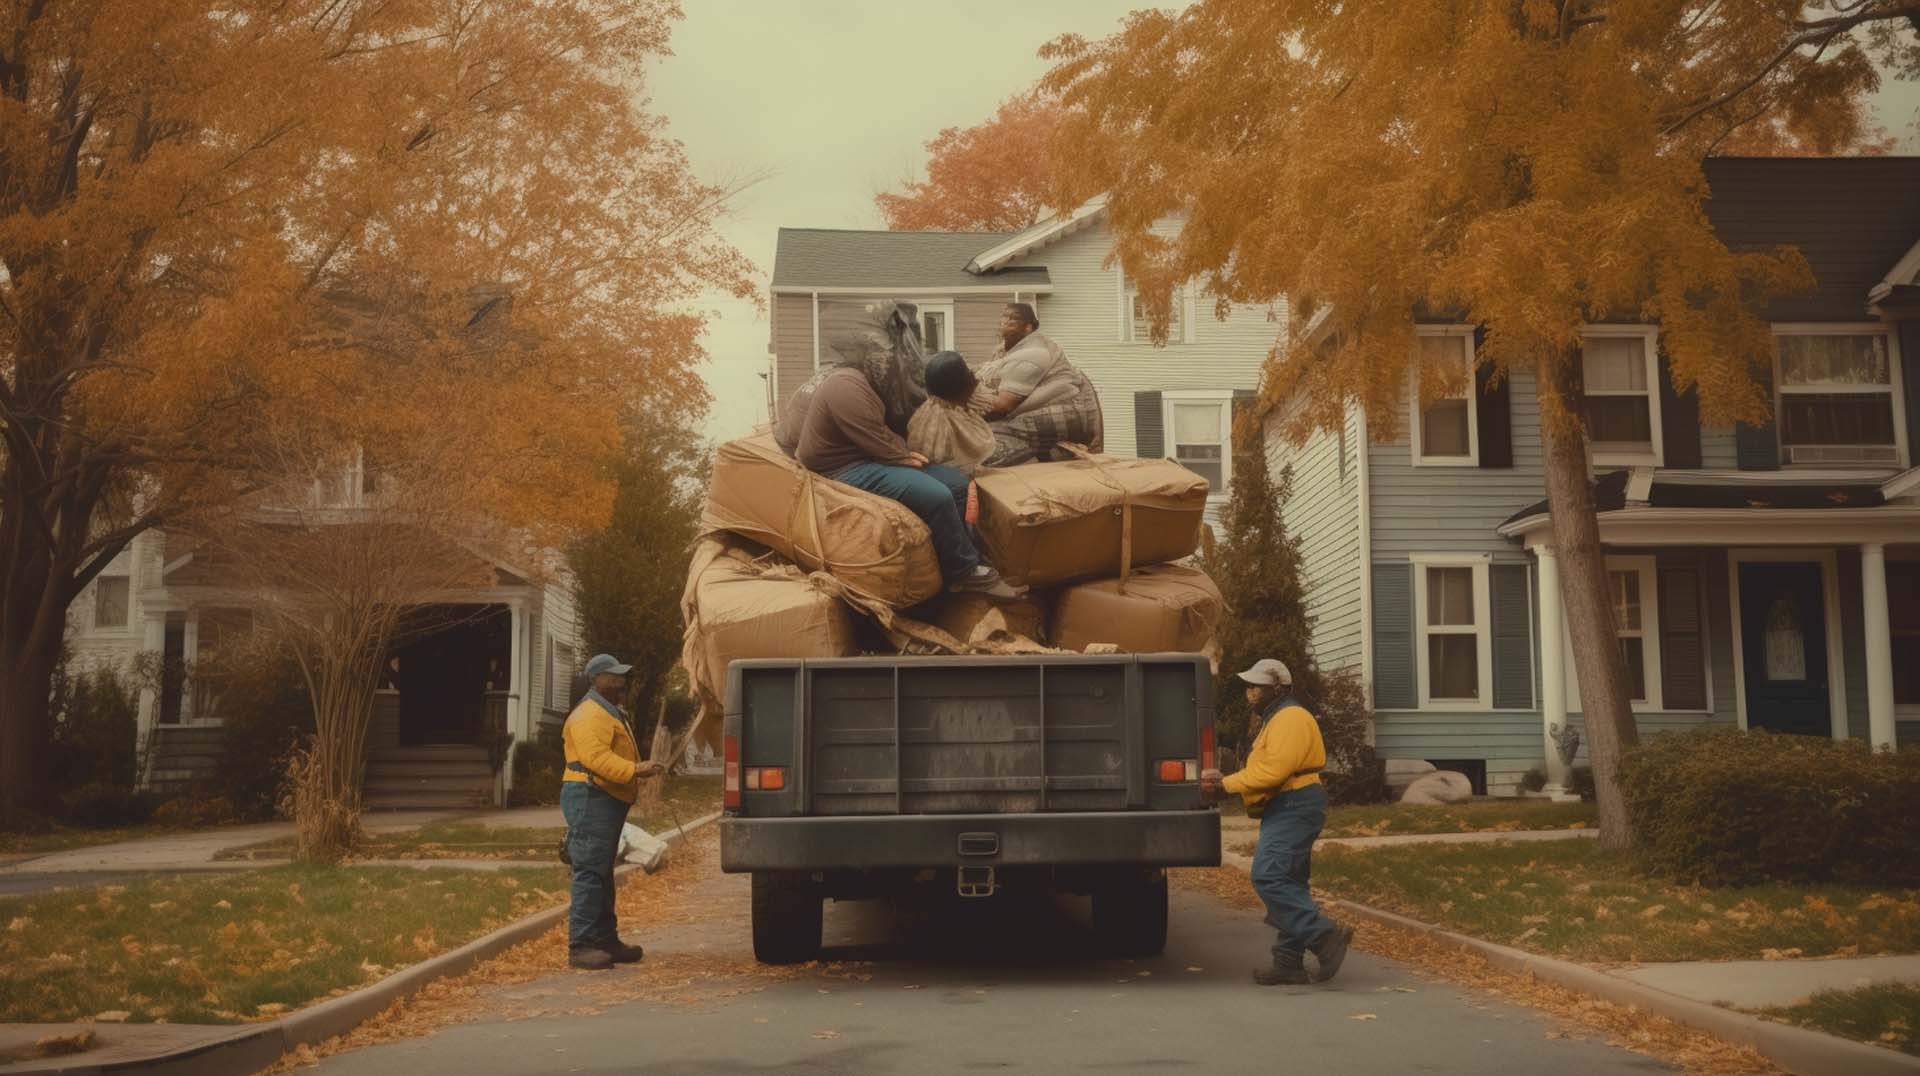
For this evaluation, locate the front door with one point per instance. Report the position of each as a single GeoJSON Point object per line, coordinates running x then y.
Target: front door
{"type": "Point", "coordinates": [1783, 636]}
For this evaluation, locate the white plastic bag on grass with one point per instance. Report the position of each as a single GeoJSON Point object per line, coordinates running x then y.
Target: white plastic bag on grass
{"type": "Point", "coordinates": [639, 846]}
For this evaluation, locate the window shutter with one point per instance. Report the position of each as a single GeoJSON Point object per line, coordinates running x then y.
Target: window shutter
{"type": "Point", "coordinates": [1393, 667]}
{"type": "Point", "coordinates": [1149, 426]}
{"type": "Point", "coordinates": [1679, 420]}
{"type": "Point", "coordinates": [1757, 448]}
{"type": "Point", "coordinates": [1909, 334]}
{"type": "Point", "coordinates": [1683, 674]}
{"type": "Point", "coordinates": [1494, 409]}
{"type": "Point", "coordinates": [1512, 637]}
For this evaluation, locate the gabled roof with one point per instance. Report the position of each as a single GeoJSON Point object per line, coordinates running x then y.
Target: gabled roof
{"type": "Point", "coordinates": [1854, 219]}
{"type": "Point", "coordinates": [1610, 494]}
{"type": "Point", "coordinates": [1032, 239]}
{"type": "Point", "coordinates": [807, 259]}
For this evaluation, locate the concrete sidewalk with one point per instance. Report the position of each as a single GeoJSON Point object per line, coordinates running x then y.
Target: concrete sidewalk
{"type": "Point", "coordinates": [1765, 984]}
{"type": "Point", "coordinates": [198, 849]}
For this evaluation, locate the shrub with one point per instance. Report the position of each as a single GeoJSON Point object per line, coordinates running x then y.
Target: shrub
{"type": "Point", "coordinates": [262, 701]}
{"type": "Point", "coordinates": [1719, 806]}
{"type": "Point", "coordinates": [537, 765]}
{"type": "Point", "coordinates": [1533, 780]}
{"type": "Point", "coordinates": [95, 729]}
{"type": "Point", "coordinates": [1355, 773]}
{"type": "Point", "coordinates": [100, 805]}
{"type": "Point", "coordinates": [195, 812]}
{"type": "Point", "coordinates": [1580, 782]}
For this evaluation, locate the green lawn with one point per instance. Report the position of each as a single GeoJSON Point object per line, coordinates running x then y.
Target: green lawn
{"type": "Point", "coordinates": [1494, 814]}
{"type": "Point", "coordinates": [232, 947]}
{"type": "Point", "coordinates": [1573, 899]}
{"type": "Point", "coordinates": [1884, 1015]}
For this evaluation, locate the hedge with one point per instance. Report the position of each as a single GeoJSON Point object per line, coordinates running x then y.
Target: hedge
{"type": "Point", "coordinates": [1722, 806]}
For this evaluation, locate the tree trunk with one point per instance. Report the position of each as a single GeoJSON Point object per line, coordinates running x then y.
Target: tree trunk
{"type": "Point", "coordinates": [1604, 700]}
{"type": "Point", "coordinates": [32, 629]}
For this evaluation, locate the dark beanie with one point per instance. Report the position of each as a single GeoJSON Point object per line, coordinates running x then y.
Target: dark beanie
{"type": "Point", "coordinates": [948, 376]}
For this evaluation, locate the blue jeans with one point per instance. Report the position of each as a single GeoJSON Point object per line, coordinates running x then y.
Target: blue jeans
{"type": "Point", "coordinates": [593, 819]}
{"type": "Point", "coordinates": [1282, 865]}
{"type": "Point", "coordinates": [935, 493]}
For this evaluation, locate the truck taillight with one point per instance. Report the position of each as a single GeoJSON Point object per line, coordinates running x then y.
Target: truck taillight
{"type": "Point", "coordinates": [1207, 757]}
{"type": "Point", "coordinates": [1175, 771]}
{"type": "Point", "coordinates": [730, 779]}
{"type": "Point", "coordinates": [766, 778]}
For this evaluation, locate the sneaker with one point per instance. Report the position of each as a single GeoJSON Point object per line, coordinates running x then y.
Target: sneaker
{"type": "Point", "coordinates": [1282, 975]}
{"type": "Point", "coordinates": [590, 959]}
{"type": "Point", "coordinates": [986, 581]}
{"type": "Point", "coordinates": [1331, 952]}
{"type": "Point", "coordinates": [623, 953]}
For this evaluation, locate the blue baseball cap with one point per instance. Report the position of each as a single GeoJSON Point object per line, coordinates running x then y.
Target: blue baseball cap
{"type": "Point", "coordinates": [605, 663]}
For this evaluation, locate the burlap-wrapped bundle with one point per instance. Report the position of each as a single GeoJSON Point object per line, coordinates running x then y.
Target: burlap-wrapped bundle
{"type": "Point", "coordinates": [979, 621]}
{"type": "Point", "coordinates": [950, 433]}
{"type": "Point", "coordinates": [738, 606]}
{"type": "Point", "coordinates": [1167, 608]}
{"type": "Point", "coordinates": [877, 547]}
{"type": "Point", "coordinates": [1089, 518]}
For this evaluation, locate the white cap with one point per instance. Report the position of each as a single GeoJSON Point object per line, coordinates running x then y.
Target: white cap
{"type": "Point", "coordinates": [1268, 672]}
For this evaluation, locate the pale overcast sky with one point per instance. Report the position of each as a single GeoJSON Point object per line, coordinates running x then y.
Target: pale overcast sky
{"type": "Point", "coordinates": [836, 97]}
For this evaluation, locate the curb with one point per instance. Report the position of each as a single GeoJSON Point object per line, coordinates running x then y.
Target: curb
{"type": "Point", "coordinates": [1796, 1049]}
{"type": "Point", "coordinates": [255, 1047]}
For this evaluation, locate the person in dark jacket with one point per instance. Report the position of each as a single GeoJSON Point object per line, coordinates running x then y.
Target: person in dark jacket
{"type": "Point", "coordinates": [1280, 785]}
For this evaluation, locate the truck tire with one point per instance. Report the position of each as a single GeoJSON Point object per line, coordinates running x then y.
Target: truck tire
{"type": "Point", "coordinates": [786, 918]}
{"type": "Point", "coordinates": [1130, 916]}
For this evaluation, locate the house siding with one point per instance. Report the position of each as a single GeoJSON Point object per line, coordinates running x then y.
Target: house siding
{"type": "Point", "coordinates": [1324, 514]}
{"type": "Point", "coordinates": [792, 344]}
{"type": "Point", "coordinates": [1082, 315]}
{"type": "Point", "coordinates": [976, 329]}
{"type": "Point", "coordinates": [94, 647]}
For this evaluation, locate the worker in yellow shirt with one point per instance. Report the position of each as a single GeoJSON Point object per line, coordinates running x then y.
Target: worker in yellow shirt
{"type": "Point", "coordinates": [1280, 785]}
{"type": "Point", "coordinates": [601, 781]}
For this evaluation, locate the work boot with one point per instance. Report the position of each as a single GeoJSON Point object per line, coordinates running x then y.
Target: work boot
{"type": "Point", "coordinates": [1282, 974]}
{"type": "Point", "coordinates": [623, 953]}
{"type": "Point", "coordinates": [986, 581]}
{"type": "Point", "coordinates": [590, 959]}
{"type": "Point", "coordinates": [1332, 951]}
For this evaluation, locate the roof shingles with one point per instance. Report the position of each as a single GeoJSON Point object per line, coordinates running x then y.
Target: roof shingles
{"type": "Point", "coordinates": [829, 258]}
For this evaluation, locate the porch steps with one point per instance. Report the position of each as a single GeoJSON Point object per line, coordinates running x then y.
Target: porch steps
{"type": "Point", "coordinates": [180, 755]}
{"type": "Point", "coordinates": [436, 776]}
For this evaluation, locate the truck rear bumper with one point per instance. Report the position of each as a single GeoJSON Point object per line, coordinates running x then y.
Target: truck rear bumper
{"type": "Point", "coordinates": [867, 842]}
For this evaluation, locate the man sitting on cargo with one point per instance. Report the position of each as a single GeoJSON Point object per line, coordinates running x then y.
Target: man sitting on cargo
{"type": "Point", "coordinates": [846, 438]}
{"type": "Point", "coordinates": [1040, 401]}
{"type": "Point", "coordinates": [1281, 787]}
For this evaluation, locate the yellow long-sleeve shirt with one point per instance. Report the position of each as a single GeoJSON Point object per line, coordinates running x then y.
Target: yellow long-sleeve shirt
{"type": "Point", "coordinates": [1288, 754]}
{"type": "Point", "coordinates": [599, 741]}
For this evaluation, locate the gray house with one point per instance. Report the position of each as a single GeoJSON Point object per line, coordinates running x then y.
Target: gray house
{"type": "Point", "coordinates": [1765, 577]}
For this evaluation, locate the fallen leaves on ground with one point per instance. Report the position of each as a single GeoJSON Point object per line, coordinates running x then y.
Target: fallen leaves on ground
{"type": "Point", "coordinates": [62, 1045]}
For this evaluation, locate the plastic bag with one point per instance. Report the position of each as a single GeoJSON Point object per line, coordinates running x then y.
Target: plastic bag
{"type": "Point", "coordinates": [950, 433]}
{"type": "Point", "coordinates": [639, 846]}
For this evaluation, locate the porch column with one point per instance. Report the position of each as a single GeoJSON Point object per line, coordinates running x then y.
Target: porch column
{"type": "Point", "coordinates": [189, 655]}
{"type": "Point", "coordinates": [517, 672]}
{"type": "Point", "coordinates": [1873, 586]}
{"type": "Point", "coordinates": [1553, 677]}
{"type": "Point", "coordinates": [153, 626]}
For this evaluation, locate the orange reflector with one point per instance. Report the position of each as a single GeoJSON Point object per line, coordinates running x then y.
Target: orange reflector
{"type": "Point", "coordinates": [1173, 771]}
{"type": "Point", "coordinates": [773, 779]}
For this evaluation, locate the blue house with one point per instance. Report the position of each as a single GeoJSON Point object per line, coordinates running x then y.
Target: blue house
{"type": "Point", "coordinates": [1765, 577]}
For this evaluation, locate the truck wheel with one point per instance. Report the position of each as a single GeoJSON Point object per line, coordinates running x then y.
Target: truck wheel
{"type": "Point", "coordinates": [786, 918]}
{"type": "Point", "coordinates": [1130, 916]}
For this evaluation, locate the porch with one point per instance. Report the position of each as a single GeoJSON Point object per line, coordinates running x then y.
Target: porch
{"type": "Point", "coordinates": [1789, 603]}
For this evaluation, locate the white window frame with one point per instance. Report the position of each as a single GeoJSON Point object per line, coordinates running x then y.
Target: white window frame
{"type": "Point", "coordinates": [1472, 458]}
{"type": "Point", "coordinates": [1648, 567]}
{"type": "Point", "coordinates": [1222, 397]}
{"type": "Point", "coordinates": [1482, 627]}
{"type": "Point", "coordinates": [943, 307]}
{"type": "Point", "coordinates": [1895, 387]}
{"type": "Point", "coordinates": [125, 625]}
{"type": "Point", "coordinates": [1183, 298]}
{"type": "Point", "coordinates": [1650, 349]}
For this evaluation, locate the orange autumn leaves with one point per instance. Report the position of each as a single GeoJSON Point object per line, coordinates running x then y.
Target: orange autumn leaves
{"type": "Point", "coordinates": [991, 177]}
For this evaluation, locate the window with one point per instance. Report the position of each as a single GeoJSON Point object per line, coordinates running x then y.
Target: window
{"type": "Point", "coordinates": [1903, 613]}
{"type": "Point", "coordinates": [936, 327]}
{"type": "Point", "coordinates": [1139, 328]}
{"type": "Point", "coordinates": [1451, 619]}
{"type": "Point", "coordinates": [1620, 381]}
{"type": "Point", "coordinates": [1633, 592]}
{"type": "Point", "coordinates": [1444, 427]}
{"type": "Point", "coordinates": [560, 684]}
{"type": "Point", "coordinates": [1837, 402]}
{"type": "Point", "coordinates": [110, 601]}
{"type": "Point", "coordinates": [1200, 427]}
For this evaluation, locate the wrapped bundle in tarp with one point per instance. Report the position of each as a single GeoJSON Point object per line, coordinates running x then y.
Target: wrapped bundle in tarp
{"type": "Point", "coordinates": [1167, 608]}
{"type": "Point", "coordinates": [976, 620]}
{"type": "Point", "coordinates": [876, 546]}
{"type": "Point", "coordinates": [883, 342]}
{"type": "Point", "coordinates": [738, 606]}
{"type": "Point", "coordinates": [950, 433]}
{"type": "Point", "coordinates": [1088, 518]}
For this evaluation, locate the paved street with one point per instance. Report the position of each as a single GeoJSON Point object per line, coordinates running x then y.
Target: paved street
{"type": "Point", "coordinates": [1002, 989]}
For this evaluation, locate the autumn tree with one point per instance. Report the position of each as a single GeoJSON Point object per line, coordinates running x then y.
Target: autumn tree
{"type": "Point", "coordinates": [628, 575]}
{"type": "Point", "coordinates": [1528, 167]}
{"type": "Point", "coordinates": [216, 216]}
{"type": "Point", "coordinates": [992, 177]}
